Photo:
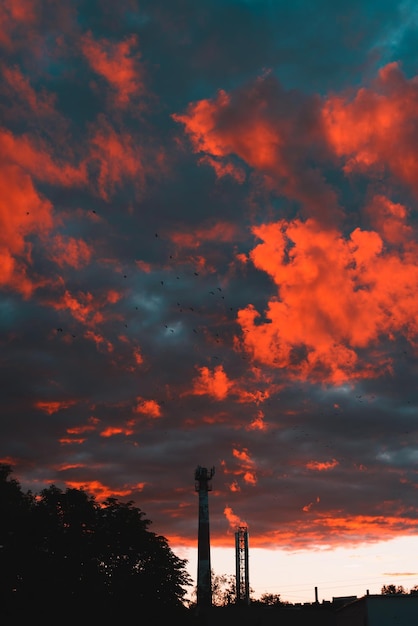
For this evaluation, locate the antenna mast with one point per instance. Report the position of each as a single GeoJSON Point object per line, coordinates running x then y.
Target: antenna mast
{"type": "Point", "coordinates": [241, 566]}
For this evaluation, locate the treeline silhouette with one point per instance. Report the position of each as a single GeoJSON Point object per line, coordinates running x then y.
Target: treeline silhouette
{"type": "Point", "coordinates": [65, 557]}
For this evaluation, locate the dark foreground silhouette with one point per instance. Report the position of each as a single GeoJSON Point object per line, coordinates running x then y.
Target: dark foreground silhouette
{"type": "Point", "coordinates": [64, 558]}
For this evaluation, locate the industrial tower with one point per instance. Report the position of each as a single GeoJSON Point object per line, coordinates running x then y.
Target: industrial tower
{"type": "Point", "coordinates": [204, 583]}
{"type": "Point", "coordinates": [241, 566]}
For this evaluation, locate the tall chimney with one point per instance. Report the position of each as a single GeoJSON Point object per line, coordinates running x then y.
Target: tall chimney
{"type": "Point", "coordinates": [204, 582]}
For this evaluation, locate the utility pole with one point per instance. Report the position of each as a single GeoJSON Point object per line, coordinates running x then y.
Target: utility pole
{"type": "Point", "coordinates": [204, 583]}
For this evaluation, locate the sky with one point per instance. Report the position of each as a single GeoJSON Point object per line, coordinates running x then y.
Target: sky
{"type": "Point", "coordinates": [209, 256]}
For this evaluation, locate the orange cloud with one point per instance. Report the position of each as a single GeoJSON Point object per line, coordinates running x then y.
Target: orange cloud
{"type": "Point", "coordinates": [91, 426]}
{"type": "Point", "coordinates": [64, 441]}
{"type": "Point", "coordinates": [257, 396]}
{"type": "Point", "coordinates": [247, 466]}
{"type": "Point", "coordinates": [376, 129]}
{"type": "Point", "coordinates": [212, 383]}
{"type": "Point", "coordinates": [333, 530]}
{"type": "Point", "coordinates": [143, 266]}
{"type": "Point", "coordinates": [67, 466]}
{"type": "Point", "coordinates": [89, 310]}
{"type": "Point", "coordinates": [113, 296]}
{"type": "Point", "coordinates": [258, 422]}
{"type": "Point", "coordinates": [390, 220]}
{"type": "Point", "coordinates": [101, 491]}
{"type": "Point", "coordinates": [111, 431]}
{"type": "Point", "coordinates": [102, 344]}
{"type": "Point", "coordinates": [21, 10]}
{"type": "Point", "coordinates": [25, 214]}
{"type": "Point", "coordinates": [335, 296]}
{"type": "Point", "coordinates": [221, 231]}
{"type": "Point", "coordinates": [322, 531]}
{"type": "Point", "coordinates": [22, 213]}
{"type": "Point", "coordinates": [35, 157]}
{"type": "Point", "coordinates": [322, 465]}
{"type": "Point", "coordinates": [242, 455]}
{"type": "Point", "coordinates": [150, 408]}
{"type": "Point", "coordinates": [213, 129]}
{"type": "Point", "coordinates": [118, 63]}
{"type": "Point", "coordinates": [224, 169]}
{"type": "Point", "coordinates": [42, 105]}
{"type": "Point", "coordinates": [8, 460]}
{"type": "Point", "coordinates": [51, 407]}
{"type": "Point", "coordinates": [200, 122]}
{"type": "Point", "coordinates": [233, 520]}
{"type": "Point", "coordinates": [139, 359]}
{"type": "Point", "coordinates": [273, 132]}
{"type": "Point", "coordinates": [69, 251]}
{"type": "Point", "coordinates": [118, 159]}
{"type": "Point", "coordinates": [216, 384]}
{"type": "Point", "coordinates": [308, 507]}
{"type": "Point", "coordinates": [364, 129]}
{"type": "Point", "coordinates": [16, 15]}
{"type": "Point", "coordinates": [84, 308]}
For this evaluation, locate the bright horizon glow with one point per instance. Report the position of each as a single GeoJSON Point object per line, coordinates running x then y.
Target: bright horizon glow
{"type": "Point", "coordinates": [338, 572]}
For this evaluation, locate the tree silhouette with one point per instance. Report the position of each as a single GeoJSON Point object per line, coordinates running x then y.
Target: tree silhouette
{"type": "Point", "coordinates": [390, 590]}
{"type": "Point", "coordinates": [271, 599]}
{"type": "Point", "coordinates": [71, 556]}
{"type": "Point", "coordinates": [15, 536]}
{"type": "Point", "coordinates": [223, 589]}
{"type": "Point", "coordinates": [63, 558]}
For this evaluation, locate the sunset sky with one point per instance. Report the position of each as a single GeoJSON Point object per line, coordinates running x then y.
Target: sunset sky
{"type": "Point", "coordinates": [209, 256]}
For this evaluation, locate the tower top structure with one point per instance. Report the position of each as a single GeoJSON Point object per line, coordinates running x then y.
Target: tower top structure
{"type": "Point", "coordinates": [203, 478]}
